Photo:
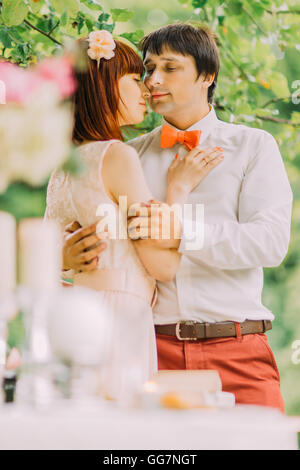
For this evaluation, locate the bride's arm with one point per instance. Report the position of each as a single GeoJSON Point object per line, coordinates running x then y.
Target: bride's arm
{"type": "Point", "coordinates": [123, 176]}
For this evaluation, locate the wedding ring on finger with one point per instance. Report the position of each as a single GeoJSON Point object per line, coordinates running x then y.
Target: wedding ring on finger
{"type": "Point", "coordinates": [202, 161]}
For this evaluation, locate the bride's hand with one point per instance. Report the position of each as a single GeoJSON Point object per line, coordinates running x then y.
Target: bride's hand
{"type": "Point", "coordinates": [82, 247]}
{"type": "Point", "coordinates": [187, 173]}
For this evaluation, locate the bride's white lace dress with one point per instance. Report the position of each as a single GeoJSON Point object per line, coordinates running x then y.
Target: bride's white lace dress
{"type": "Point", "coordinates": [121, 281]}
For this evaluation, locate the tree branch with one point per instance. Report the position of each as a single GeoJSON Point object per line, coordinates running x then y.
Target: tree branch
{"type": "Point", "coordinates": [275, 100]}
{"type": "Point", "coordinates": [278, 120]}
{"type": "Point", "coordinates": [230, 56]}
{"type": "Point", "coordinates": [42, 32]}
{"type": "Point", "coordinates": [205, 14]}
{"type": "Point", "coordinates": [243, 73]}
{"type": "Point", "coordinates": [54, 27]}
{"type": "Point", "coordinates": [264, 118]}
{"type": "Point", "coordinates": [284, 12]}
{"type": "Point", "coordinates": [221, 107]}
{"type": "Point", "coordinates": [254, 21]}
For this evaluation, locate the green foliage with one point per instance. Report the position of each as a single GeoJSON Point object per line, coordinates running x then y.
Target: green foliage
{"type": "Point", "coordinates": [16, 331]}
{"type": "Point", "coordinates": [199, 3]}
{"type": "Point", "coordinates": [134, 37]}
{"type": "Point", "coordinates": [258, 85]}
{"type": "Point", "coordinates": [119, 14]}
{"type": "Point", "coordinates": [14, 12]}
{"type": "Point", "coordinates": [74, 164]}
{"type": "Point", "coordinates": [71, 7]}
{"type": "Point", "coordinates": [23, 201]}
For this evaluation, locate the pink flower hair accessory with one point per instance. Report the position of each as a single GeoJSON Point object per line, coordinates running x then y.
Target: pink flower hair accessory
{"type": "Point", "coordinates": [101, 45]}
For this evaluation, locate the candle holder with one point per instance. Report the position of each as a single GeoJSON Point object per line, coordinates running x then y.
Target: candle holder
{"type": "Point", "coordinates": [36, 385]}
{"type": "Point", "coordinates": [40, 265]}
{"type": "Point", "coordinates": [128, 363]}
{"type": "Point", "coordinates": [8, 309]}
{"type": "Point", "coordinates": [7, 281]}
{"type": "Point", "coordinates": [78, 325]}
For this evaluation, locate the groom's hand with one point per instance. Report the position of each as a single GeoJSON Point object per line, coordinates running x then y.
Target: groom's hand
{"type": "Point", "coordinates": [82, 247]}
{"type": "Point", "coordinates": [154, 221]}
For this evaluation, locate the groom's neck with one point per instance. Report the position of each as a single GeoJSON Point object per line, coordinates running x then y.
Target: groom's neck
{"type": "Point", "coordinates": [184, 119]}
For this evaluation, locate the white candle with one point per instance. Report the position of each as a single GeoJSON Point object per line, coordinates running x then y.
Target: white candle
{"type": "Point", "coordinates": [40, 254]}
{"type": "Point", "coordinates": [7, 254]}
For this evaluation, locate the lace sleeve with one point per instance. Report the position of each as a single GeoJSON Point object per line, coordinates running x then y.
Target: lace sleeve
{"type": "Point", "coordinates": [60, 209]}
{"type": "Point", "coordinates": [59, 206]}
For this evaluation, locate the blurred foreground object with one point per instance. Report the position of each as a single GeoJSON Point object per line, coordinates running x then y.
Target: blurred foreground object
{"type": "Point", "coordinates": [101, 425]}
{"type": "Point", "coordinates": [7, 282]}
{"type": "Point", "coordinates": [35, 125]}
{"type": "Point", "coordinates": [78, 328]}
{"type": "Point", "coordinates": [40, 267]}
{"type": "Point", "coordinates": [184, 389]}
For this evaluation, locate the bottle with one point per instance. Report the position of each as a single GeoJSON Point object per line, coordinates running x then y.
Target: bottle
{"type": "Point", "coordinates": [9, 386]}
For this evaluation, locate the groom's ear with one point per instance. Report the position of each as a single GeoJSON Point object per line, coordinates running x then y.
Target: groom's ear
{"type": "Point", "coordinates": [208, 80]}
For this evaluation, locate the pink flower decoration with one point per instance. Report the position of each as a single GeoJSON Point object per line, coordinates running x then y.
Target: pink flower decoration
{"type": "Point", "coordinates": [59, 71]}
{"type": "Point", "coordinates": [14, 359]}
{"type": "Point", "coordinates": [101, 45]}
{"type": "Point", "coordinates": [19, 83]}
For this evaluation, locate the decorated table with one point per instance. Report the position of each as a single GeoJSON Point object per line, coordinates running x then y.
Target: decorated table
{"type": "Point", "coordinates": [101, 425]}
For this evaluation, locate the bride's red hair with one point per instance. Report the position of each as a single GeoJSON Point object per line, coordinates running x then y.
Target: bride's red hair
{"type": "Point", "coordinates": [96, 100]}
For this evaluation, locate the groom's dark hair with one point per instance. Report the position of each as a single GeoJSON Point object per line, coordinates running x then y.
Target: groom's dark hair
{"type": "Point", "coordinates": [187, 39]}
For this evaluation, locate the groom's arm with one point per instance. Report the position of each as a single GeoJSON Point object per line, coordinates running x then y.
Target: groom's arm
{"type": "Point", "coordinates": [261, 235]}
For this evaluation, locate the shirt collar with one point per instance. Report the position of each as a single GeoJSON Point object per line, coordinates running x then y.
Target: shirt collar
{"type": "Point", "coordinates": [205, 125]}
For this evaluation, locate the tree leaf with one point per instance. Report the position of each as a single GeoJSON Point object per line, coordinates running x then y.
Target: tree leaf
{"type": "Point", "coordinates": [103, 17]}
{"type": "Point", "coordinates": [234, 7]}
{"type": "Point", "coordinates": [5, 38]}
{"type": "Point", "coordinates": [70, 6]}
{"type": "Point", "coordinates": [295, 117]}
{"type": "Point", "coordinates": [221, 19]}
{"type": "Point", "coordinates": [256, 7]}
{"type": "Point", "coordinates": [121, 14]}
{"type": "Point", "coordinates": [278, 84]}
{"type": "Point", "coordinates": [244, 108]}
{"type": "Point", "coordinates": [64, 18]}
{"type": "Point", "coordinates": [199, 3]}
{"type": "Point", "coordinates": [108, 27]}
{"type": "Point", "coordinates": [92, 4]}
{"type": "Point", "coordinates": [14, 12]}
{"type": "Point", "coordinates": [36, 6]}
{"type": "Point", "coordinates": [89, 24]}
{"type": "Point", "coordinates": [134, 37]}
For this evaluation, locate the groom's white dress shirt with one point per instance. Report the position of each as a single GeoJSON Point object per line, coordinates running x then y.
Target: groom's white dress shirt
{"type": "Point", "coordinates": [247, 202]}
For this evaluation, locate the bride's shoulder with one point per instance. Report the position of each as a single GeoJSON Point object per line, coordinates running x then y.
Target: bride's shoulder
{"type": "Point", "coordinates": [120, 152]}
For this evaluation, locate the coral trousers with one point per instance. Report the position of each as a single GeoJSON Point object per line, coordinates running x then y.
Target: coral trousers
{"type": "Point", "coordinates": [246, 364]}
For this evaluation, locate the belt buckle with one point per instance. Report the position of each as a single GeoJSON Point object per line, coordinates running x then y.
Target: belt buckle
{"type": "Point", "coordinates": [177, 330]}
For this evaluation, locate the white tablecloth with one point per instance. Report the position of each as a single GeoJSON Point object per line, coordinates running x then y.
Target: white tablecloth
{"type": "Point", "coordinates": [103, 426]}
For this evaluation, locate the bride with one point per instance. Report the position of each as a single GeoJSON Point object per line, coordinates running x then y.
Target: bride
{"type": "Point", "coordinates": [110, 95]}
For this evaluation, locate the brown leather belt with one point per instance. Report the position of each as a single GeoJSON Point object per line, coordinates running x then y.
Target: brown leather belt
{"type": "Point", "coordinates": [190, 330]}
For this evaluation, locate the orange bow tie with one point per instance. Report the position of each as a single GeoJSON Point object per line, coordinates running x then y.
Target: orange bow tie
{"type": "Point", "coordinates": [170, 137]}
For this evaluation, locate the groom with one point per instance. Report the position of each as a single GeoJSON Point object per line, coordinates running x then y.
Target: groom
{"type": "Point", "coordinates": [211, 315]}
